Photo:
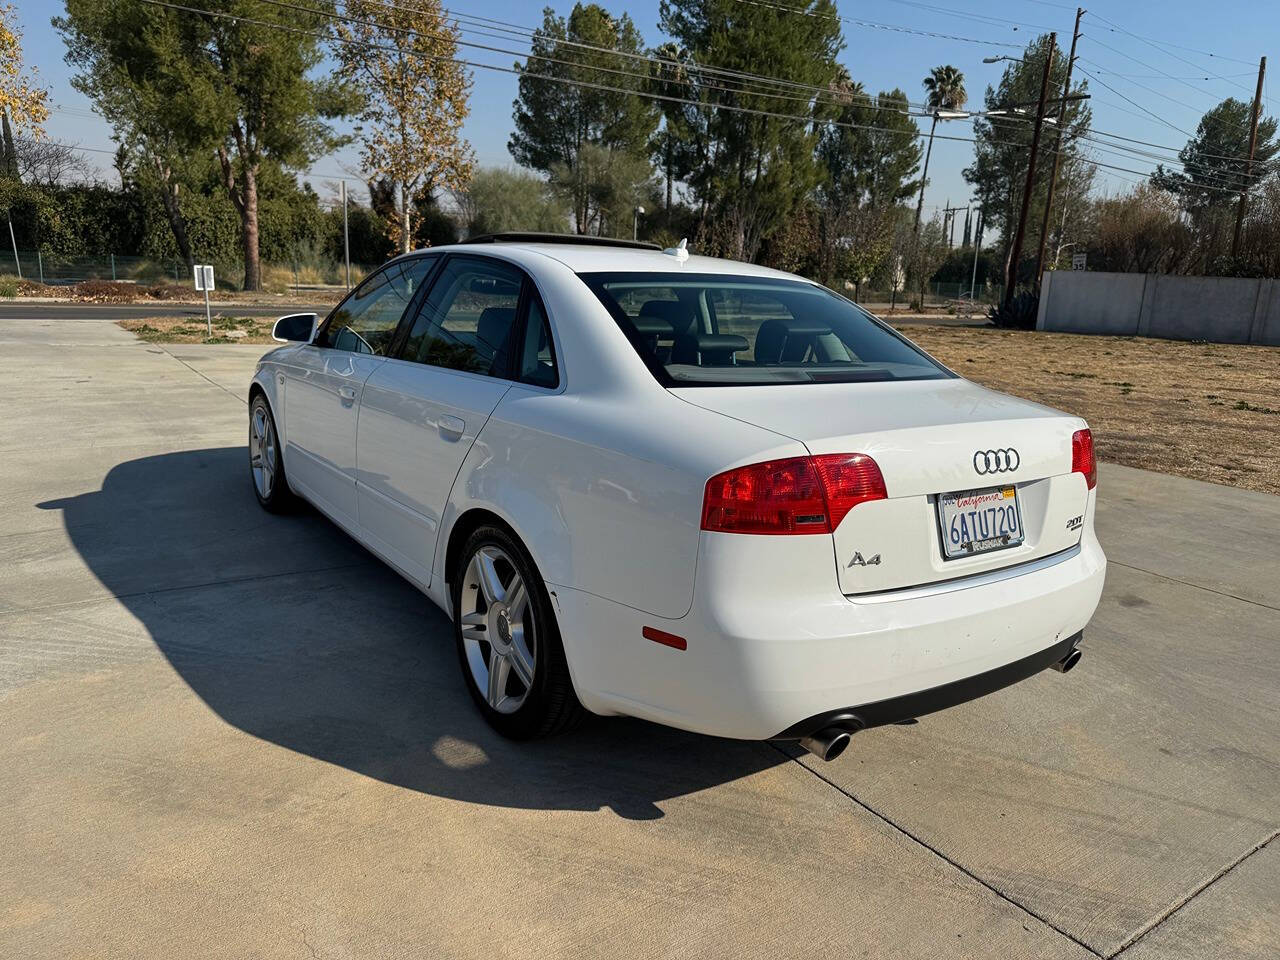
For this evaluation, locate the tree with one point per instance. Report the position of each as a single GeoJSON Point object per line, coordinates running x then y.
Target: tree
{"type": "Point", "coordinates": [497, 200]}
{"type": "Point", "coordinates": [555, 116]}
{"type": "Point", "coordinates": [234, 82]}
{"type": "Point", "coordinates": [610, 182]}
{"type": "Point", "coordinates": [402, 60]}
{"type": "Point", "coordinates": [46, 163]}
{"type": "Point", "coordinates": [757, 167]}
{"type": "Point", "coordinates": [1213, 174]}
{"type": "Point", "coordinates": [1141, 231]}
{"type": "Point", "coordinates": [868, 158]}
{"type": "Point", "coordinates": [24, 104]}
{"type": "Point", "coordinates": [944, 90]}
{"type": "Point", "coordinates": [1213, 161]}
{"type": "Point", "coordinates": [999, 170]}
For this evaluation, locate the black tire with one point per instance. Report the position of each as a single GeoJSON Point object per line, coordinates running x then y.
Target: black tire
{"type": "Point", "coordinates": [549, 705]}
{"type": "Point", "coordinates": [274, 494]}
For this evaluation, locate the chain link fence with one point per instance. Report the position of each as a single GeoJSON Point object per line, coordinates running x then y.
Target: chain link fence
{"type": "Point", "coordinates": [54, 271]}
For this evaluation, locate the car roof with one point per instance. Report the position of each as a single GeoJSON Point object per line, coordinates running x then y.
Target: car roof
{"type": "Point", "coordinates": [595, 258]}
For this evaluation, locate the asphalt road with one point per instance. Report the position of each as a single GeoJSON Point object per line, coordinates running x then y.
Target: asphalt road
{"type": "Point", "coordinates": [18, 310]}
{"type": "Point", "coordinates": [228, 734]}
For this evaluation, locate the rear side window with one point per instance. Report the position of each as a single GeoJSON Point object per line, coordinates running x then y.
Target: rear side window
{"type": "Point", "coordinates": [468, 320]}
{"type": "Point", "coordinates": [537, 358]}
{"type": "Point", "coordinates": [715, 330]}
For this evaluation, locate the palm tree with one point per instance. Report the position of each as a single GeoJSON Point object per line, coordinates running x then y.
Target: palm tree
{"type": "Point", "coordinates": [945, 87]}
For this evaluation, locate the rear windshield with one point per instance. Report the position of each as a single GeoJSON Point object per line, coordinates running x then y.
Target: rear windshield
{"type": "Point", "coordinates": [712, 330]}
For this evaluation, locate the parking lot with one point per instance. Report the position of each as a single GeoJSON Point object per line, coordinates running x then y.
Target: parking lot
{"type": "Point", "coordinates": [229, 734]}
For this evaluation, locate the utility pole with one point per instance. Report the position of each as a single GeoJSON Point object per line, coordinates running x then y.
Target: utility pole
{"type": "Point", "coordinates": [346, 239]}
{"type": "Point", "coordinates": [1057, 149]}
{"type": "Point", "coordinates": [977, 243]}
{"type": "Point", "coordinates": [1016, 252]}
{"type": "Point", "coordinates": [1248, 167]}
{"type": "Point", "coordinates": [949, 223]}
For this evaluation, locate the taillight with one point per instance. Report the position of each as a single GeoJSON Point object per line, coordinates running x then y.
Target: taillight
{"type": "Point", "coordinates": [796, 495]}
{"type": "Point", "coordinates": [1082, 458]}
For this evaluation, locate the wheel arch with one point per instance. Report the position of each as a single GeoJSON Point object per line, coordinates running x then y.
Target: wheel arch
{"type": "Point", "coordinates": [467, 523]}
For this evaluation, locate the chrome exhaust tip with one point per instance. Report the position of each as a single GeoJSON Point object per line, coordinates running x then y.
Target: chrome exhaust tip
{"type": "Point", "coordinates": [826, 744]}
{"type": "Point", "coordinates": [1069, 661]}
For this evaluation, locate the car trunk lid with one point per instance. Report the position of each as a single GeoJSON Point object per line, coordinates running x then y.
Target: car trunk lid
{"type": "Point", "coordinates": [929, 438]}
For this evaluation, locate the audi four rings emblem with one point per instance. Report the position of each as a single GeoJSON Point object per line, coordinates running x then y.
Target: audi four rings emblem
{"type": "Point", "coordinates": [996, 461]}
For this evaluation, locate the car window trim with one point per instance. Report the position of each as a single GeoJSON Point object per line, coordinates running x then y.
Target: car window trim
{"type": "Point", "coordinates": [401, 336]}
{"type": "Point", "coordinates": [527, 297]}
{"type": "Point", "coordinates": [511, 368]}
{"type": "Point", "coordinates": [323, 329]}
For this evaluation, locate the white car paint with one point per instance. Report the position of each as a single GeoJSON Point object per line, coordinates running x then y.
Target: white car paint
{"type": "Point", "coordinates": [602, 478]}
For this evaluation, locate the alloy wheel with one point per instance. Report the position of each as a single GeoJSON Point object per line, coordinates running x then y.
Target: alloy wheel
{"type": "Point", "coordinates": [262, 451]}
{"type": "Point", "coordinates": [498, 632]}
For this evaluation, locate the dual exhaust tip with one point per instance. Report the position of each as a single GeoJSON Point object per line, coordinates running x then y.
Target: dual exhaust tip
{"type": "Point", "coordinates": [829, 742]}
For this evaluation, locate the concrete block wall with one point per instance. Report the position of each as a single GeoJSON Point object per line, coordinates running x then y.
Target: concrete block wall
{"type": "Point", "coordinates": [1220, 309]}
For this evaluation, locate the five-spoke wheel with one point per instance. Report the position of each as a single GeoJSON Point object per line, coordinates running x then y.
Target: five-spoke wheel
{"type": "Point", "coordinates": [499, 632]}
{"type": "Point", "coordinates": [508, 641]}
{"type": "Point", "coordinates": [266, 466]}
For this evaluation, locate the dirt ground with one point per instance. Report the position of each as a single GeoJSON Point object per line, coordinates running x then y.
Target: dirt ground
{"type": "Point", "coordinates": [193, 330]}
{"type": "Point", "coordinates": [1208, 411]}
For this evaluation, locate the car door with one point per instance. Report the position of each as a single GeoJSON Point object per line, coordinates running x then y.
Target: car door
{"type": "Point", "coordinates": [422, 410]}
{"type": "Point", "coordinates": [324, 381]}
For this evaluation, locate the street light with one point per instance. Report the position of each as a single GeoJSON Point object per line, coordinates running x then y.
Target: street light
{"type": "Point", "coordinates": [998, 59]}
{"type": "Point", "coordinates": [635, 224]}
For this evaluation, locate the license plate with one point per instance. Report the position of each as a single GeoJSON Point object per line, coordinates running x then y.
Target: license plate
{"type": "Point", "coordinates": [977, 521]}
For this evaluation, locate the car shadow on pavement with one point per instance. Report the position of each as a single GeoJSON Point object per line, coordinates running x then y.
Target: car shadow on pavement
{"type": "Point", "coordinates": [293, 633]}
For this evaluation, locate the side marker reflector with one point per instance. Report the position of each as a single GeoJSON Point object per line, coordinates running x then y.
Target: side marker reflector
{"type": "Point", "coordinates": [666, 639]}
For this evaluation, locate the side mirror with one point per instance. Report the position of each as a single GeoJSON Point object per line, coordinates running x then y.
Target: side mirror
{"type": "Point", "coordinates": [296, 328]}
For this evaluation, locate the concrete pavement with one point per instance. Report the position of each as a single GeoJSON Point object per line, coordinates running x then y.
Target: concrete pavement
{"type": "Point", "coordinates": [232, 734]}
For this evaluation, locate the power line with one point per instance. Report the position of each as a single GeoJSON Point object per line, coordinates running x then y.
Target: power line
{"type": "Point", "coordinates": [1221, 122]}
{"type": "Point", "coordinates": [1165, 74]}
{"type": "Point", "coordinates": [914, 133]}
{"type": "Point", "coordinates": [896, 28]}
{"type": "Point", "coordinates": [1116, 28]}
{"type": "Point", "coordinates": [464, 22]}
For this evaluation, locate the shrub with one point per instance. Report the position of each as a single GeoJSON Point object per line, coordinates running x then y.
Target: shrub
{"type": "Point", "coordinates": [1019, 314]}
{"type": "Point", "coordinates": [8, 287]}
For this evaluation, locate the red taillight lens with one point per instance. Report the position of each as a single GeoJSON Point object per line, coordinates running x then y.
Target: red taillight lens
{"type": "Point", "coordinates": [1082, 458]}
{"type": "Point", "coordinates": [848, 479]}
{"type": "Point", "coordinates": [797, 495]}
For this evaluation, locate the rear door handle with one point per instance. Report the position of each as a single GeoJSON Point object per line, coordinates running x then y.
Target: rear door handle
{"type": "Point", "coordinates": [347, 393]}
{"type": "Point", "coordinates": [451, 427]}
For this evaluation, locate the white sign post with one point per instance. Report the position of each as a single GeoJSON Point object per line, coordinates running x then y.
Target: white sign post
{"type": "Point", "coordinates": [1078, 261]}
{"type": "Point", "coordinates": [204, 281]}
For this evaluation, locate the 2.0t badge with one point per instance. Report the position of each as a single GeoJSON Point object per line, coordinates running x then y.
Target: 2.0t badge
{"type": "Point", "coordinates": [996, 461]}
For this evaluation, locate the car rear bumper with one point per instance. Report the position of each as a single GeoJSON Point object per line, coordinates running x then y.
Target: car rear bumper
{"type": "Point", "coordinates": [911, 705]}
{"type": "Point", "coordinates": [764, 658]}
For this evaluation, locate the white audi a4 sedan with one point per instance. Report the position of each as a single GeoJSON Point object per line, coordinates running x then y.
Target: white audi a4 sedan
{"type": "Point", "coordinates": [705, 493]}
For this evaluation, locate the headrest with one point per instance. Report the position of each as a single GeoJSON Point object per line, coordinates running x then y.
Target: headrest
{"type": "Point", "coordinates": [494, 326]}
{"type": "Point", "coordinates": [673, 312]}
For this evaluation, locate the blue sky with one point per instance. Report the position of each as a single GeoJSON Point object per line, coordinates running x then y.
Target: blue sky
{"type": "Point", "coordinates": [1163, 69]}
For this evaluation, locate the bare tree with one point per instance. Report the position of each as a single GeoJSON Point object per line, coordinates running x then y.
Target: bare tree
{"type": "Point", "coordinates": [49, 164]}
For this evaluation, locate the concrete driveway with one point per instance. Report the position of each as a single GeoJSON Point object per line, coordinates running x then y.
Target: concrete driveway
{"type": "Point", "coordinates": [227, 734]}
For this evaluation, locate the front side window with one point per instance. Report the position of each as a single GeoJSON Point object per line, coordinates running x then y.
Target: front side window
{"type": "Point", "coordinates": [366, 321]}
{"type": "Point", "coordinates": [713, 330]}
{"type": "Point", "coordinates": [468, 319]}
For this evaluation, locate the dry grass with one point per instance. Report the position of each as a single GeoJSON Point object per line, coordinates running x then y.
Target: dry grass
{"type": "Point", "coordinates": [193, 329]}
{"type": "Point", "coordinates": [1209, 411]}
